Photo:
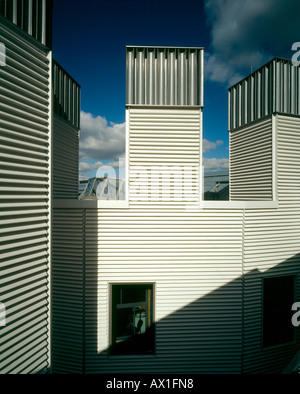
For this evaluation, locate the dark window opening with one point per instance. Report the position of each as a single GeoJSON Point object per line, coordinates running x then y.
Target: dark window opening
{"type": "Point", "coordinates": [132, 319]}
{"type": "Point", "coordinates": [278, 298]}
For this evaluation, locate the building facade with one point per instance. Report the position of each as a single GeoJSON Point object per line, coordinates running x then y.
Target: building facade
{"type": "Point", "coordinates": [164, 282]}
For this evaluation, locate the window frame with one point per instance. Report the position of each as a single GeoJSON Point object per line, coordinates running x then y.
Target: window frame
{"type": "Point", "coordinates": [110, 325]}
{"type": "Point", "coordinates": [267, 347]}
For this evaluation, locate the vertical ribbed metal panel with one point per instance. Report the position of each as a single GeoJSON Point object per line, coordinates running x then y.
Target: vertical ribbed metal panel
{"type": "Point", "coordinates": [32, 16]}
{"type": "Point", "coordinates": [251, 162]}
{"type": "Point", "coordinates": [65, 159]}
{"type": "Point", "coordinates": [274, 87]}
{"type": "Point", "coordinates": [66, 93]}
{"type": "Point", "coordinates": [271, 248]}
{"type": "Point", "coordinates": [25, 198]}
{"type": "Point", "coordinates": [164, 159]}
{"type": "Point", "coordinates": [164, 76]}
{"type": "Point", "coordinates": [68, 291]}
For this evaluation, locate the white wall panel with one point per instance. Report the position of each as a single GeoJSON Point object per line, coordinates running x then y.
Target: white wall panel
{"type": "Point", "coordinates": [173, 250]}
{"type": "Point", "coordinates": [164, 156]}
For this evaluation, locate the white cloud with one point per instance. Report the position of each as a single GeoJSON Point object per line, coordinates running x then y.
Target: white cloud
{"type": "Point", "coordinates": [99, 139]}
{"type": "Point", "coordinates": [89, 169]}
{"type": "Point", "coordinates": [84, 166]}
{"type": "Point", "coordinates": [208, 145]}
{"type": "Point", "coordinates": [246, 34]}
{"type": "Point", "coordinates": [215, 164]}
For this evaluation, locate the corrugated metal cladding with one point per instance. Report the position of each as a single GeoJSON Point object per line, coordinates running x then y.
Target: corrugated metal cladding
{"type": "Point", "coordinates": [68, 291]}
{"type": "Point", "coordinates": [275, 87]}
{"type": "Point", "coordinates": [271, 248]}
{"type": "Point", "coordinates": [25, 194]}
{"type": "Point", "coordinates": [66, 93]}
{"type": "Point", "coordinates": [164, 76]}
{"type": "Point", "coordinates": [251, 162]}
{"type": "Point", "coordinates": [33, 16]}
{"type": "Point", "coordinates": [164, 158]}
{"type": "Point", "coordinates": [197, 309]}
{"type": "Point", "coordinates": [65, 168]}
{"type": "Point", "coordinates": [207, 267]}
{"type": "Point", "coordinates": [66, 124]}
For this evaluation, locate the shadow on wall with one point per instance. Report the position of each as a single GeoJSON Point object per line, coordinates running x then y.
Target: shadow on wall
{"type": "Point", "coordinates": [222, 332]}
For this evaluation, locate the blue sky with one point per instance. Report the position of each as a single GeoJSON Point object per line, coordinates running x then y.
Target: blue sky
{"type": "Point", "coordinates": [89, 40]}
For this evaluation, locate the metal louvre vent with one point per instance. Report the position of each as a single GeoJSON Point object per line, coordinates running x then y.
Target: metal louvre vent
{"type": "Point", "coordinates": [24, 204]}
{"type": "Point", "coordinates": [66, 94]}
{"type": "Point", "coordinates": [164, 76]}
{"type": "Point", "coordinates": [32, 16]}
{"type": "Point", "coordinates": [275, 87]}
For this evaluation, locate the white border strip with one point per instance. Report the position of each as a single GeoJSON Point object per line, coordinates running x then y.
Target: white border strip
{"type": "Point", "coordinates": [104, 204]}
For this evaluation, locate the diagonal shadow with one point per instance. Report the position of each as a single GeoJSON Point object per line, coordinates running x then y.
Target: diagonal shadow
{"type": "Point", "coordinates": [221, 332]}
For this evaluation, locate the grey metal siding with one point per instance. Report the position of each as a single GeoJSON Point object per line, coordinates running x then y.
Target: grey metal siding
{"type": "Point", "coordinates": [66, 96]}
{"type": "Point", "coordinates": [65, 159]}
{"type": "Point", "coordinates": [68, 291]}
{"type": "Point", "coordinates": [32, 16]}
{"type": "Point", "coordinates": [274, 87]}
{"type": "Point", "coordinates": [25, 198]}
{"type": "Point", "coordinates": [251, 162]}
{"type": "Point", "coordinates": [164, 76]}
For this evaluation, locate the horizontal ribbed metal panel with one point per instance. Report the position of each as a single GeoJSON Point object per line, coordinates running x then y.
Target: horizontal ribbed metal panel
{"type": "Point", "coordinates": [66, 92]}
{"type": "Point", "coordinates": [251, 166]}
{"type": "Point", "coordinates": [271, 248]}
{"type": "Point", "coordinates": [65, 159]}
{"type": "Point", "coordinates": [24, 204]}
{"type": "Point", "coordinates": [207, 267]}
{"type": "Point", "coordinates": [68, 290]}
{"type": "Point", "coordinates": [164, 76]}
{"type": "Point", "coordinates": [33, 16]}
{"type": "Point", "coordinates": [172, 249]}
{"type": "Point", "coordinates": [274, 87]}
{"type": "Point", "coordinates": [164, 158]}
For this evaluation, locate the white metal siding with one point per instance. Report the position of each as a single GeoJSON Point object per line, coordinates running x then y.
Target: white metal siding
{"type": "Point", "coordinates": [25, 194]}
{"type": "Point", "coordinates": [251, 162]}
{"type": "Point", "coordinates": [164, 142]}
{"type": "Point", "coordinates": [198, 292]}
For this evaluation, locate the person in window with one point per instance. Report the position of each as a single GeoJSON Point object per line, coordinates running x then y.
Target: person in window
{"type": "Point", "coordinates": [139, 326]}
